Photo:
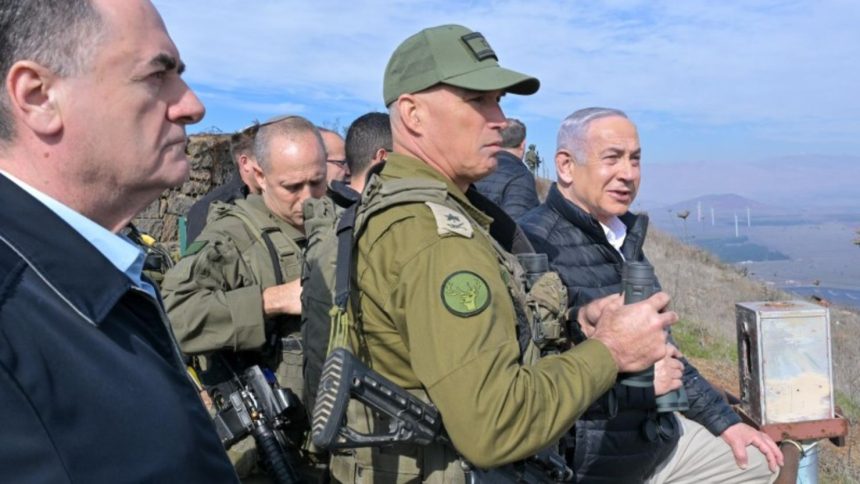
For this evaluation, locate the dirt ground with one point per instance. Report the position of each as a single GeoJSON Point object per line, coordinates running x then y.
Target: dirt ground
{"type": "Point", "coordinates": [837, 465]}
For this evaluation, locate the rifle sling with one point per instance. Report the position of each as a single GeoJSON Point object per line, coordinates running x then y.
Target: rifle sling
{"type": "Point", "coordinates": [343, 265]}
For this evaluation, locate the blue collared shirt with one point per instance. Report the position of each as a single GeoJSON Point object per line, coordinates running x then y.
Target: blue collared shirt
{"type": "Point", "coordinates": [119, 250]}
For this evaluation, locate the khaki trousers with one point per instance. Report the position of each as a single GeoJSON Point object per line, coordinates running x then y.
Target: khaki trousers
{"type": "Point", "coordinates": [701, 458]}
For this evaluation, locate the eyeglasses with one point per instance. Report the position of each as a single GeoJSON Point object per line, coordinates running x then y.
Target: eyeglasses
{"type": "Point", "coordinates": [340, 163]}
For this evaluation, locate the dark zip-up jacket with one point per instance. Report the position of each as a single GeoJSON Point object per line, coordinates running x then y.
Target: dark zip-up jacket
{"type": "Point", "coordinates": [511, 186]}
{"type": "Point", "coordinates": [92, 385]}
{"type": "Point", "coordinates": [611, 448]}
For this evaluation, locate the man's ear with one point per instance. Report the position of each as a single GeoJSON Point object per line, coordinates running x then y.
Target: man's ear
{"type": "Point", "coordinates": [245, 165]}
{"type": "Point", "coordinates": [380, 155]}
{"type": "Point", "coordinates": [564, 167]}
{"type": "Point", "coordinates": [34, 95]}
{"type": "Point", "coordinates": [258, 174]}
{"type": "Point", "coordinates": [409, 110]}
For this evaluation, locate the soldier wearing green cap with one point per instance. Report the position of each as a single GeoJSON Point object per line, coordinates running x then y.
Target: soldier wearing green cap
{"type": "Point", "coordinates": [438, 301]}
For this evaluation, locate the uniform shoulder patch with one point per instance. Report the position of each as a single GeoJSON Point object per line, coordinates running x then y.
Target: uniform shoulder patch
{"type": "Point", "coordinates": [450, 221]}
{"type": "Point", "coordinates": [195, 247]}
{"type": "Point", "coordinates": [465, 294]}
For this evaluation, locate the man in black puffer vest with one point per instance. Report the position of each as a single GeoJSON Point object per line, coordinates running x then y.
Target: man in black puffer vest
{"type": "Point", "coordinates": [511, 186]}
{"type": "Point", "coordinates": [583, 227]}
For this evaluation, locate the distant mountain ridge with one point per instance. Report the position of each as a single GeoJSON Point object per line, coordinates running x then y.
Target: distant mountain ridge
{"type": "Point", "coordinates": [800, 182]}
{"type": "Point", "coordinates": [719, 201]}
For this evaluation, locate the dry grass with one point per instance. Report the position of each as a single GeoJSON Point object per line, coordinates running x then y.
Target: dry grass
{"type": "Point", "coordinates": [704, 292]}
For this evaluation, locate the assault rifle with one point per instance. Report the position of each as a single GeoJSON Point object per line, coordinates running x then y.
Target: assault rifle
{"type": "Point", "coordinates": [411, 420]}
{"type": "Point", "coordinates": [255, 405]}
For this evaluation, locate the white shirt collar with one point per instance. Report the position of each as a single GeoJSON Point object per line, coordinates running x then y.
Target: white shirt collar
{"type": "Point", "coordinates": [615, 232]}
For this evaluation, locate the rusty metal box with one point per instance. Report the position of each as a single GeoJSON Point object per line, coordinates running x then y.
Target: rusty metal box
{"type": "Point", "coordinates": [784, 361]}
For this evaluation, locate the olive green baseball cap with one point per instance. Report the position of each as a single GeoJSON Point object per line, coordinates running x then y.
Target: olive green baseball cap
{"type": "Point", "coordinates": [453, 55]}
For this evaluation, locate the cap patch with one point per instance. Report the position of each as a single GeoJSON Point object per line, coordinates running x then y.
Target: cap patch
{"type": "Point", "coordinates": [465, 294]}
{"type": "Point", "coordinates": [479, 46]}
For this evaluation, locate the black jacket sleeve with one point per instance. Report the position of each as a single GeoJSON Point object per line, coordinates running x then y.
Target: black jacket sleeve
{"type": "Point", "coordinates": [707, 405]}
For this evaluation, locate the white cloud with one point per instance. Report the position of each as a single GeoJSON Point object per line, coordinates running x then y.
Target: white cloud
{"type": "Point", "coordinates": [774, 66]}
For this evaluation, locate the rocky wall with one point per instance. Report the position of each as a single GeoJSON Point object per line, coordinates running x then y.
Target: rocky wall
{"type": "Point", "coordinates": [211, 166]}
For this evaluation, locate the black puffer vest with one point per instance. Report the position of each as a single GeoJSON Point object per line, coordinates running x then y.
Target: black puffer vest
{"type": "Point", "coordinates": [606, 448]}
{"type": "Point", "coordinates": [611, 448]}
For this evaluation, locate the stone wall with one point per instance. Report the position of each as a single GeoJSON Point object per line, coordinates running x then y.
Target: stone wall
{"type": "Point", "coordinates": [211, 166]}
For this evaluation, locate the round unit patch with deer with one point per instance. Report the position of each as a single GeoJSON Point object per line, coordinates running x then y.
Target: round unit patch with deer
{"type": "Point", "coordinates": [465, 294]}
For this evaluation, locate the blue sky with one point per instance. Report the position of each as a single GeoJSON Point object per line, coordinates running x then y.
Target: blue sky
{"type": "Point", "coordinates": [728, 81]}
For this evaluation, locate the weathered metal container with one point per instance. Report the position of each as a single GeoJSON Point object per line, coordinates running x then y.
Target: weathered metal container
{"type": "Point", "coordinates": [784, 361]}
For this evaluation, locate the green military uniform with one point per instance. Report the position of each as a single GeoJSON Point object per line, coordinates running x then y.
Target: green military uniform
{"type": "Point", "coordinates": [214, 299]}
{"type": "Point", "coordinates": [436, 315]}
{"type": "Point", "coordinates": [214, 296]}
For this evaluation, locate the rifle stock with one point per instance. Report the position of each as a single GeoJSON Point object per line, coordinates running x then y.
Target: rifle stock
{"type": "Point", "coordinates": [344, 377]}
{"type": "Point", "coordinates": [411, 420]}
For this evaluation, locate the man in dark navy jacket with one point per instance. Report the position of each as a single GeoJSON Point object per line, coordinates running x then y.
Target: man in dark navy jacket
{"type": "Point", "coordinates": [511, 185]}
{"type": "Point", "coordinates": [92, 129]}
{"type": "Point", "coordinates": [587, 230]}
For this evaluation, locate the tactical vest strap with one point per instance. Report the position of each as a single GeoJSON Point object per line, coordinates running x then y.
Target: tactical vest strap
{"type": "Point", "coordinates": [273, 255]}
{"type": "Point", "coordinates": [345, 243]}
{"type": "Point", "coordinates": [267, 232]}
{"type": "Point", "coordinates": [339, 332]}
{"type": "Point", "coordinates": [378, 197]}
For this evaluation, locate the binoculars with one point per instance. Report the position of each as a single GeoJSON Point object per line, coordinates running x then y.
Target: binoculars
{"type": "Point", "coordinates": [534, 265]}
{"type": "Point", "coordinates": [639, 283]}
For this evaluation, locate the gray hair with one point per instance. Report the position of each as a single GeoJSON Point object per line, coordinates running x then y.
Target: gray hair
{"type": "Point", "coordinates": [288, 126]}
{"type": "Point", "coordinates": [366, 135]}
{"type": "Point", "coordinates": [58, 34]}
{"type": "Point", "coordinates": [574, 128]}
{"type": "Point", "coordinates": [513, 134]}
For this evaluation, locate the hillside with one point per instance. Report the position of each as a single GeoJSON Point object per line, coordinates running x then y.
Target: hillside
{"type": "Point", "coordinates": [704, 292]}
